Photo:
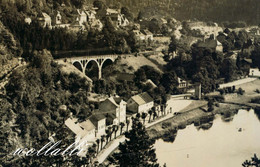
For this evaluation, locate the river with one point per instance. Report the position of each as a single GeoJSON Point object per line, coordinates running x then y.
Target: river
{"type": "Point", "coordinates": [223, 145]}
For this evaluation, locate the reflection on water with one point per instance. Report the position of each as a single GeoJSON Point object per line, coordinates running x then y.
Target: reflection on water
{"type": "Point", "coordinates": [225, 144]}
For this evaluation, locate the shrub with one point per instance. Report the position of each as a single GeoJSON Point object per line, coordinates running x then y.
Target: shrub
{"type": "Point", "coordinates": [240, 91]}
{"type": "Point", "coordinates": [256, 100]}
{"type": "Point", "coordinates": [166, 125]}
{"type": "Point", "coordinates": [257, 91]}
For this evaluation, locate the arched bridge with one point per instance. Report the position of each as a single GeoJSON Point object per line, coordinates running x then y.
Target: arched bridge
{"type": "Point", "coordinates": [83, 61]}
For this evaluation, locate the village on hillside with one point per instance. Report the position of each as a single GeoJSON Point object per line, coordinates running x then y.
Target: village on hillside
{"type": "Point", "coordinates": [115, 80]}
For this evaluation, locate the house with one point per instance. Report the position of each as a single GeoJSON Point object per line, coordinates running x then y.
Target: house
{"type": "Point", "coordinates": [232, 55]}
{"type": "Point", "coordinates": [148, 34]}
{"type": "Point", "coordinates": [140, 103]}
{"type": "Point", "coordinates": [58, 18]}
{"type": "Point", "coordinates": [81, 16]}
{"type": "Point", "coordinates": [182, 83]}
{"type": "Point", "coordinates": [208, 44]}
{"type": "Point", "coordinates": [99, 121]}
{"type": "Point", "coordinates": [151, 83]}
{"type": "Point", "coordinates": [84, 131]}
{"type": "Point", "coordinates": [91, 16]}
{"type": "Point", "coordinates": [219, 47]}
{"type": "Point", "coordinates": [76, 26]}
{"type": "Point", "coordinates": [96, 24]}
{"type": "Point", "coordinates": [116, 106]}
{"type": "Point", "coordinates": [139, 35]}
{"type": "Point", "coordinates": [164, 21]}
{"type": "Point", "coordinates": [124, 21]}
{"type": "Point", "coordinates": [28, 20]}
{"type": "Point", "coordinates": [111, 119]}
{"type": "Point", "coordinates": [44, 19]}
{"type": "Point", "coordinates": [125, 77]}
{"type": "Point", "coordinates": [89, 129]}
{"type": "Point", "coordinates": [254, 72]}
{"type": "Point", "coordinates": [117, 18]}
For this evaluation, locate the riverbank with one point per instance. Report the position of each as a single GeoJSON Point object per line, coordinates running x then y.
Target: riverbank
{"type": "Point", "coordinates": [189, 112]}
{"type": "Point", "coordinates": [198, 116]}
{"type": "Point", "coordinates": [167, 130]}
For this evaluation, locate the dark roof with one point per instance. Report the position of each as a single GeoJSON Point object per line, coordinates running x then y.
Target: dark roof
{"type": "Point", "coordinates": [209, 43]}
{"type": "Point", "coordinates": [142, 98]}
{"type": "Point", "coordinates": [147, 98]}
{"type": "Point", "coordinates": [96, 117]}
{"type": "Point", "coordinates": [125, 77]}
{"type": "Point", "coordinates": [117, 99]}
{"type": "Point", "coordinates": [110, 118]}
{"type": "Point", "coordinates": [146, 32]}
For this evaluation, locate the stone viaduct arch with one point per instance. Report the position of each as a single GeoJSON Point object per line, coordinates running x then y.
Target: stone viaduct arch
{"type": "Point", "coordinates": [82, 62]}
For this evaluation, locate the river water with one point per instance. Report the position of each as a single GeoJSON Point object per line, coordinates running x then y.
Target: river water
{"type": "Point", "coordinates": [223, 145]}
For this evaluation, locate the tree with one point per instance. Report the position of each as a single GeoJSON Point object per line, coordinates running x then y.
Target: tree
{"type": "Point", "coordinates": [150, 112]}
{"type": "Point", "coordinates": [122, 124]}
{"type": "Point", "coordinates": [138, 148]}
{"type": "Point", "coordinates": [154, 114]}
{"type": "Point", "coordinates": [125, 11]}
{"type": "Point", "coordinates": [127, 124]}
{"type": "Point", "coordinates": [143, 117]}
{"type": "Point", "coordinates": [102, 141]}
{"type": "Point", "coordinates": [115, 129]}
{"type": "Point", "coordinates": [210, 105]}
{"type": "Point", "coordinates": [255, 161]}
{"type": "Point", "coordinates": [172, 45]}
{"type": "Point", "coordinates": [98, 141]}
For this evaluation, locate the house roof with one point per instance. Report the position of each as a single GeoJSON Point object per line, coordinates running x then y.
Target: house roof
{"type": "Point", "coordinates": [72, 124]}
{"type": "Point", "coordinates": [96, 117]}
{"type": "Point", "coordinates": [146, 32]}
{"type": "Point", "coordinates": [110, 117]}
{"type": "Point", "coordinates": [43, 15]}
{"type": "Point", "coordinates": [209, 43]}
{"type": "Point", "coordinates": [248, 61]}
{"type": "Point", "coordinates": [87, 125]}
{"type": "Point", "coordinates": [112, 100]}
{"type": "Point", "coordinates": [125, 77]}
{"type": "Point", "coordinates": [112, 11]}
{"type": "Point", "coordinates": [149, 81]}
{"type": "Point", "coordinates": [142, 98]}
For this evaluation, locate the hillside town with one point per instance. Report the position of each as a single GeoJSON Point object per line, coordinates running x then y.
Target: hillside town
{"type": "Point", "coordinates": [126, 86]}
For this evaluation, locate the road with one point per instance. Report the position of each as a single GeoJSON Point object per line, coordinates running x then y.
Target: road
{"type": "Point", "coordinates": [177, 106]}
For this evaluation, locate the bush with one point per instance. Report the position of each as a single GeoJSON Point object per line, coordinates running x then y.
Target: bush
{"type": "Point", "coordinates": [166, 125]}
{"type": "Point", "coordinates": [240, 91]}
{"type": "Point", "coordinates": [256, 100]}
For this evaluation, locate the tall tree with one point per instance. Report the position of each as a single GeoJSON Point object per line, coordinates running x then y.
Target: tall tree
{"type": "Point", "coordinates": [138, 148]}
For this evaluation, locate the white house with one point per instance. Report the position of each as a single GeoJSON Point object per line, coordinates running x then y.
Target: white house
{"type": "Point", "coordinates": [81, 16]}
{"type": "Point", "coordinates": [254, 72]}
{"type": "Point", "coordinates": [140, 103]}
{"type": "Point", "coordinates": [58, 18]}
{"type": "Point", "coordinates": [91, 16]}
{"type": "Point", "coordinates": [89, 130]}
{"type": "Point", "coordinates": [182, 83]}
{"type": "Point", "coordinates": [148, 34]}
{"type": "Point", "coordinates": [139, 35]}
{"type": "Point", "coordinates": [117, 18]}
{"type": "Point", "coordinates": [44, 19]}
{"type": "Point", "coordinates": [84, 131]}
{"type": "Point", "coordinates": [99, 121]}
{"type": "Point", "coordinates": [219, 46]}
{"type": "Point", "coordinates": [116, 106]}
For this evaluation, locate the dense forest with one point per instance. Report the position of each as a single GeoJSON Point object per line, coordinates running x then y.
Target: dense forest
{"type": "Point", "coordinates": [204, 10]}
